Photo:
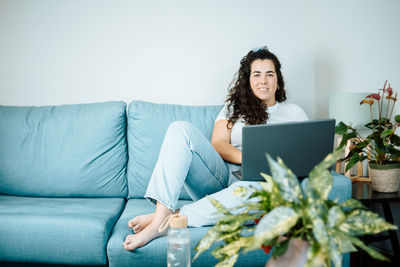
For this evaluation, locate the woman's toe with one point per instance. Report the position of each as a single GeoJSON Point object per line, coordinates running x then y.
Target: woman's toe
{"type": "Point", "coordinates": [132, 222]}
{"type": "Point", "coordinates": [137, 229]}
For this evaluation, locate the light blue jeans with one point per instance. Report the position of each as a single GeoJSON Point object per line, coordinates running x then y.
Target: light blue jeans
{"type": "Point", "coordinates": [187, 159]}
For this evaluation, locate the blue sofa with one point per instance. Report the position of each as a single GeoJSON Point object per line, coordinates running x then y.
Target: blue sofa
{"type": "Point", "coordinates": [72, 176]}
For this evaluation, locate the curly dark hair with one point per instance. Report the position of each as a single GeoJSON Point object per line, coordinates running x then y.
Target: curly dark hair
{"type": "Point", "coordinates": [241, 101]}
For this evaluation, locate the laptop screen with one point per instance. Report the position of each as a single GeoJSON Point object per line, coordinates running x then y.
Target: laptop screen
{"type": "Point", "coordinates": [301, 146]}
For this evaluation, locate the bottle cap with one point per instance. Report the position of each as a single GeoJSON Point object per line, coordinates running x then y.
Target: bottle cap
{"type": "Point", "coordinates": [178, 222]}
{"type": "Point", "coordinates": [174, 221]}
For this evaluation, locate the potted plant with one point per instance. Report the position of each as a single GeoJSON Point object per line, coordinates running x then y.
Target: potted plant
{"type": "Point", "coordinates": [286, 213]}
{"type": "Point", "coordinates": [379, 147]}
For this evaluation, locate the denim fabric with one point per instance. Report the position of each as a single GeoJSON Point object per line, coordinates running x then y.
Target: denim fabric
{"type": "Point", "coordinates": [147, 125]}
{"type": "Point", "coordinates": [187, 159]}
{"type": "Point", "coordinates": [203, 213]}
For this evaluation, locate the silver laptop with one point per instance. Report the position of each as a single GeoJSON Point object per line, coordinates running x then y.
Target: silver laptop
{"type": "Point", "coordinates": [301, 146]}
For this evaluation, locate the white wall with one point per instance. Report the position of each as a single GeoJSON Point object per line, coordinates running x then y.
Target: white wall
{"type": "Point", "coordinates": [356, 48]}
{"type": "Point", "coordinates": [186, 52]}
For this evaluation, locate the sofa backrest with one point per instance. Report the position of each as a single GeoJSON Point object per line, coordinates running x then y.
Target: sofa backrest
{"type": "Point", "coordinates": [147, 125]}
{"type": "Point", "coordinates": [64, 151]}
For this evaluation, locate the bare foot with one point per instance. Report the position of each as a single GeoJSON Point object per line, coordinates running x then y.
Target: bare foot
{"type": "Point", "coordinates": [151, 231]}
{"type": "Point", "coordinates": [140, 222]}
{"type": "Point", "coordinates": [139, 240]}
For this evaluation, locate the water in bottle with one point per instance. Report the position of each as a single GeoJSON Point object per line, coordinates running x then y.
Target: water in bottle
{"type": "Point", "coordinates": [178, 249]}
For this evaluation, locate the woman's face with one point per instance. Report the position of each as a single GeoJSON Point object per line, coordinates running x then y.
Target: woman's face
{"type": "Point", "coordinates": [263, 80]}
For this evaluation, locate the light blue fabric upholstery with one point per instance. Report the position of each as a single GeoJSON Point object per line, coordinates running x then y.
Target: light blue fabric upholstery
{"type": "Point", "coordinates": [57, 230]}
{"type": "Point", "coordinates": [63, 151]}
{"type": "Point", "coordinates": [155, 252]}
{"type": "Point", "coordinates": [341, 187]}
{"type": "Point", "coordinates": [147, 124]}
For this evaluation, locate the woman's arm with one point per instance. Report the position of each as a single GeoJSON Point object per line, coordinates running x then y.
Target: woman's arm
{"type": "Point", "coordinates": [221, 141]}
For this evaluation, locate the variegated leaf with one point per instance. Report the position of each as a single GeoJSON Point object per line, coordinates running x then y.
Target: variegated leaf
{"type": "Point", "coordinates": [334, 253]}
{"type": "Point", "coordinates": [316, 209]}
{"type": "Point", "coordinates": [329, 160]}
{"type": "Point", "coordinates": [218, 205]}
{"type": "Point", "coordinates": [345, 245]}
{"type": "Point", "coordinates": [308, 192]}
{"type": "Point", "coordinates": [276, 222]}
{"type": "Point", "coordinates": [320, 178]}
{"type": "Point", "coordinates": [218, 254]}
{"type": "Point", "coordinates": [352, 203]}
{"type": "Point", "coordinates": [360, 222]}
{"type": "Point", "coordinates": [240, 191]}
{"type": "Point", "coordinates": [267, 186]}
{"type": "Point", "coordinates": [228, 261]}
{"type": "Point", "coordinates": [249, 206]}
{"type": "Point", "coordinates": [276, 198]}
{"type": "Point", "coordinates": [228, 236]}
{"type": "Point", "coordinates": [373, 253]}
{"type": "Point", "coordinates": [315, 256]}
{"type": "Point", "coordinates": [285, 179]}
{"type": "Point", "coordinates": [321, 182]}
{"type": "Point", "coordinates": [335, 216]}
{"type": "Point", "coordinates": [233, 247]}
{"type": "Point", "coordinates": [320, 232]}
{"type": "Point", "coordinates": [206, 242]}
{"type": "Point", "coordinates": [232, 222]}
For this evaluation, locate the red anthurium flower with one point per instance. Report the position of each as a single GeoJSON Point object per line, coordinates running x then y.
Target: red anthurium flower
{"type": "Point", "coordinates": [389, 90]}
{"type": "Point", "coordinates": [266, 249]}
{"type": "Point", "coordinates": [375, 96]}
{"type": "Point", "coordinates": [367, 101]}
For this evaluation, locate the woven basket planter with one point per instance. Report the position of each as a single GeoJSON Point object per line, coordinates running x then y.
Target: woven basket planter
{"type": "Point", "coordinates": [384, 178]}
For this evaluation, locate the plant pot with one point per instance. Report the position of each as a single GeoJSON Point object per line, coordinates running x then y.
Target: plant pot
{"type": "Point", "coordinates": [384, 178]}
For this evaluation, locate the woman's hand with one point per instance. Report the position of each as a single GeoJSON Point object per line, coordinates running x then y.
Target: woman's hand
{"type": "Point", "coordinates": [221, 141]}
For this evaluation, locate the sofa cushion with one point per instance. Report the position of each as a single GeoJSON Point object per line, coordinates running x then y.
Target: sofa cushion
{"type": "Point", "coordinates": [63, 151]}
{"type": "Point", "coordinates": [155, 252]}
{"type": "Point", "coordinates": [57, 230]}
{"type": "Point", "coordinates": [147, 125]}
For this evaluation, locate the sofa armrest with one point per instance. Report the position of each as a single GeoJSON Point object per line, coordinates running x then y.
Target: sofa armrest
{"type": "Point", "coordinates": [341, 188]}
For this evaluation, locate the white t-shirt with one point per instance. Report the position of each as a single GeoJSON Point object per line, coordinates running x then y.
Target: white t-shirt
{"type": "Point", "coordinates": [278, 113]}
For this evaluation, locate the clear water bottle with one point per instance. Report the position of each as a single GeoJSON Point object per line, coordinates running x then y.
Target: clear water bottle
{"type": "Point", "coordinates": [178, 249]}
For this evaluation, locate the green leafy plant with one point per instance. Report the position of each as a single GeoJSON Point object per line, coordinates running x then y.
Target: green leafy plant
{"type": "Point", "coordinates": [379, 147]}
{"type": "Point", "coordinates": [283, 210]}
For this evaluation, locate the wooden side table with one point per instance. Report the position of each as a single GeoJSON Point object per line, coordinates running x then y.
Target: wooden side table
{"type": "Point", "coordinates": [363, 192]}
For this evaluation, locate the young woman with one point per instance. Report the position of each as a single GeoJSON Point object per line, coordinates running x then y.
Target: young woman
{"type": "Point", "coordinates": [187, 159]}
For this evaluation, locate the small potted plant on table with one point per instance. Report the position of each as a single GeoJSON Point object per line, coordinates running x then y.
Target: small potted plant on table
{"type": "Point", "coordinates": [379, 147]}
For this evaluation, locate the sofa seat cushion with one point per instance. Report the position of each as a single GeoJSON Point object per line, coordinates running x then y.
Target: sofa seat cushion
{"type": "Point", "coordinates": [155, 252]}
{"type": "Point", "coordinates": [57, 230]}
{"type": "Point", "coordinates": [147, 125]}
{"type": "Point", "coordinates": [64, 151]}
